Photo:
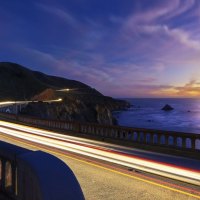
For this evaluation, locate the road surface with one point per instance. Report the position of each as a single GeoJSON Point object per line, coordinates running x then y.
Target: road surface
{"type": "Point", "coordinates": [91, 162]}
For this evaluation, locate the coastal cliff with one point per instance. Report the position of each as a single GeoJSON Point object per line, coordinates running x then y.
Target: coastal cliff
{"type": "Point", "coordinates": [80, 102]}
{"type": "Point", "coordinates": [75, 106]}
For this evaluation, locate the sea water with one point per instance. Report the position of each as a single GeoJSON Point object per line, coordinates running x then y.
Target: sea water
{"type": "Point", "coordinates": [148, 113]}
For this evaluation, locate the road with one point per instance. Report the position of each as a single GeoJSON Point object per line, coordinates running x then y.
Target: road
{"type": "Point", "coordinates": [91, 162]}
{"type": "Point", "coordinates": [8, 103]}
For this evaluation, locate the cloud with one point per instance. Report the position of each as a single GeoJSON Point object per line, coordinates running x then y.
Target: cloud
{"type": "Point", "coordinates": [60, 13]}
{"type": "Point", "coordinates": [123, 80]}
{"type": "Point", "coordinates": [184, 38]}
{"type": "Point", "coordinates": [150, 15]}
{"type": "Point", "coordinates": [164, 11]}
{"type": "Point", "coordinates": [189, 89]}
{"type": "Point", "coordinates": [148, 40]}
{"type": "Point", "coordinates": [39, 60]}
{"type": "Point", "coordinates": [182, 6]}
{"type": "Point", "coordinates": [141, 53]}
{"type": "Point", "coordinates": [43, 58]}
{"type": "Point", "coordinates": [159, 19]}
{"type": "Point", "coordinates": [179, 35]}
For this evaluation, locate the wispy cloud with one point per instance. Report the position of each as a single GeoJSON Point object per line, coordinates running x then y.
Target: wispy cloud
{"type": "Point", "coordinates": [184, 38]}
{"type": "Point", "coordinates": [180, 7]}
{"type": "Point", "coordinates": [60, 13]}
{"type": "Point", "coordinates": [179, 35]}
{"type": "Point", "coordinates": [190, 89]}
{"type": "Point", "coordinates": [162, 12]}
{"type": "Point", "coordinates": [152, 50]}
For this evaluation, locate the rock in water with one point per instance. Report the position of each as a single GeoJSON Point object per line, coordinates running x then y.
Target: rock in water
{"type": "Point", "coordinates": [167, 107]}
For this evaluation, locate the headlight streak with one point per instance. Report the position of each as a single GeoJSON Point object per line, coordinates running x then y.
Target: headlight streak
{"type": "Point", "coordinates": [7, 103]}
{"type": "Point", "coordinates": [58, 141]}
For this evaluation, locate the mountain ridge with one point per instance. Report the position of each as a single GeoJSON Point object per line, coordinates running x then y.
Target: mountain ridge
{"type": "Point", "coordinates": [19, 83]}
{"type": "Point", "coordinates": [80, 102]}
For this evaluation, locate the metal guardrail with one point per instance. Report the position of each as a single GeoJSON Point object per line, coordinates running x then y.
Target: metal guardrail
{"type": "Point", "coordinates": [35, 175]}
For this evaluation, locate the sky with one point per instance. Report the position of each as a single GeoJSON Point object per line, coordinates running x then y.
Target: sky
{"type": "Point", "coordinates": [130, 48]}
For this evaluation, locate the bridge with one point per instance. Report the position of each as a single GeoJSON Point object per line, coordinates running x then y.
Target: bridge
{"type": "Point", "coordinates": [23, 177]}
{"type": "Point", "coordinates": [169, 162]}
{"type": "Point", "coordinates": [15, 107]}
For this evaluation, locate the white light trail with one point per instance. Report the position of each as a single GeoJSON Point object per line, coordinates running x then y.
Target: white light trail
{"type": "Point", "coordinates": [85, 147]}
{"type": "Point", "coordinates": [6, 103]}
{"type": "Point", "coordinates": [64, 90]}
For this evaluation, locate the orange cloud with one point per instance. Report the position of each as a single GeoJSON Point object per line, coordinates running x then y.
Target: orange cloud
{"type": "Point", "coordinates": [191, 89]}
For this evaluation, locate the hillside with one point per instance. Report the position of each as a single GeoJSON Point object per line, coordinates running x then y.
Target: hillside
{"type": "Point", "coordinates": [20, 83]}
{"type": "Point", "coordinates": [79, 103]}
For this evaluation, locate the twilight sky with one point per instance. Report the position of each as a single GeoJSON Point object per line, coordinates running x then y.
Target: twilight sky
{"type": "Point", "coordinates": [130, 48]}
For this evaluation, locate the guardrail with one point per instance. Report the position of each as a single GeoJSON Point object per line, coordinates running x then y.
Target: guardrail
{"type": "Point", "coordinates": [35, 175]}
{"type": "Point", "coordinates": [169, 139]}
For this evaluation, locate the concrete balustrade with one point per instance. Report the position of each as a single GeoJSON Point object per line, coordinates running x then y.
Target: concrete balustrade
{"type": "Point", "coordinates": [35, 175]}
{"type": "Point", "coordinates": [169, 139]}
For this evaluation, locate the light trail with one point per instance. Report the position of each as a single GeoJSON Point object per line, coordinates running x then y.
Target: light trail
{"type": "Point", "coordinates": [146, 179]}
{"type": "Point", "coordinates": [84, 147]}
{"type": "Point", "coordinates": [6, 103]}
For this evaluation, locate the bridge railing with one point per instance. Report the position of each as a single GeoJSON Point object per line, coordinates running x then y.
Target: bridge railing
{"type": "Point", "coordinates": [145, 136]}
{"type": "Point", "coordinates": [35, 175]}
{"type": "Point", "coordinates": [170, 139]}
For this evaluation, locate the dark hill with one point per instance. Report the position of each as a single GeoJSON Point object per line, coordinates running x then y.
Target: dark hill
{"type": "Point", "coordinates": [19, 83]}
{"type": "Point", "coordinates": [81, 103]}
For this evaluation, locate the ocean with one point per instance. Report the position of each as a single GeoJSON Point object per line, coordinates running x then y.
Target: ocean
{"type": "Point", "coordinates": [147, 113]}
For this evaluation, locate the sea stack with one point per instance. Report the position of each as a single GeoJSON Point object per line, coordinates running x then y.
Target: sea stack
{"type": "Point", "coordinates": [167, 107]}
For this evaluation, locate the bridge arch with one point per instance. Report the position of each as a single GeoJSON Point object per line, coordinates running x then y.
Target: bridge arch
{"type": "Point", "coordinates": [197, 144]}
{"type": "Point", "coordinates": [188, 143]}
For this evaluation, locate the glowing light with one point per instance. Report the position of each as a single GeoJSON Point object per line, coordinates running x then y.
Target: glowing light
{"type": "Point", "coordinates": [64, 90]}
{"type": "Point", "coordinates": [6, 103]}
{"type": "Point", "coordinates": [96, 150]}
{"type": "Point", "coordinates": [54, 100]}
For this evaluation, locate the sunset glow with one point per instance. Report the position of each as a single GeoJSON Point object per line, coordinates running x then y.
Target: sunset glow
{"type": "Point", "coordinates": [135, 48]}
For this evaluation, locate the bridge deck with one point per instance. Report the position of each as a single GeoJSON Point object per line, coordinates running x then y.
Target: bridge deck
{"type": "Point", "coordinates": [100, 180]}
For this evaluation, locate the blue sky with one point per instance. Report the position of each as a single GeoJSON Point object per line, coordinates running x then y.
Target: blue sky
{"type": "Point", "coordinates": [132, 48]}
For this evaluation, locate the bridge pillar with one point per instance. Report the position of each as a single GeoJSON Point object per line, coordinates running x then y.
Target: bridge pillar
{"type": "Point", "coordinates": [159, 139]}
{"type": "Point", "coordinates": [167, 140]}
{"type": "Point", "coordinates": [3, 174]}
{"type": "Point", "coordinates": [184, 143]}
{"type": "Point", "coordinates": [13, 171]}
{"type": "Point", "coordinates": [193, 146]}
